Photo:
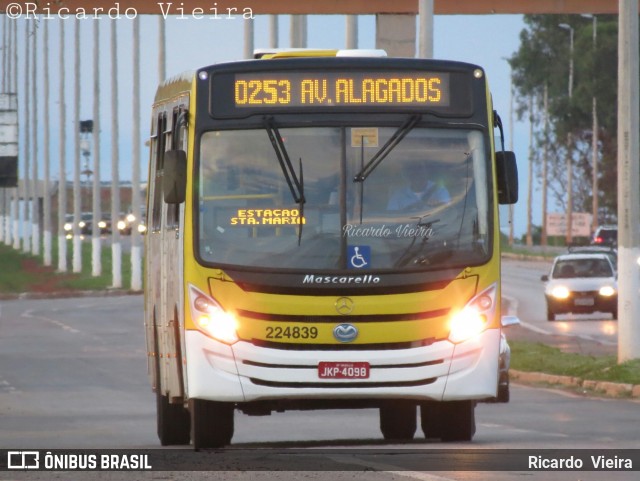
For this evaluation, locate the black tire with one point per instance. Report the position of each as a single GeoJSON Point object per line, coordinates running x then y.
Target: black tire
{"type": "Point", "coordinates": [460, 421]}
{"type": "Point", "coordinates": [503, 390]}
{"type": "Point", "coordinates": [398, 420]}
{"type": "Point", "coordinates": [431, 419]}
{"type": "Point", "coordinates": [211, 423]}
{"type": "Point", "coordinates": [450, 421]}
{"type": "Point", "coordinates": [173, 422]}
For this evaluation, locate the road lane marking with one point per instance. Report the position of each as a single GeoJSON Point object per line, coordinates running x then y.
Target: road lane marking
{"type": "Point", "coordinates": [5, 387]}
{"type": "Point", "coordinates": [388, 468]}
{"type": "Point", "coordinates": [513, 310]}
{"type": "Point", "coordinates": [29, 315]}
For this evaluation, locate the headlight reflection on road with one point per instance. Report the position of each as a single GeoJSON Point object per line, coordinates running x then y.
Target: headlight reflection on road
{"type": "Point", "coordinates": [609, 328]}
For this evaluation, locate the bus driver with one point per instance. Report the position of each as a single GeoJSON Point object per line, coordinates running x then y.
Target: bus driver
{"type": "Point", "coordinates": [421, 189]}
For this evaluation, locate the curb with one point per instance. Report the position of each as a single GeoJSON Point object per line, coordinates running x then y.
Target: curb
{"type": "Point", "coordinates": [525, 257]}
{"type": "Point", "coordinates": [606, 388]}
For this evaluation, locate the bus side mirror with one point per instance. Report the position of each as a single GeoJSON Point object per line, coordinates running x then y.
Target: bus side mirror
{"type": "Point", "coordinates": [174, 177]}
{"type": "Point", "coordinates": [507, 171]}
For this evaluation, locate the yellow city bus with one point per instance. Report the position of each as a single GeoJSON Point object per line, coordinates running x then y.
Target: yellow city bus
{"type": "Point", "coordinates": [323, 233]}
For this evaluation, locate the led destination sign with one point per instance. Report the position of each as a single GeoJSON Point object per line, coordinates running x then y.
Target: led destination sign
{"type": "Point", "coordinates": [336, 89]}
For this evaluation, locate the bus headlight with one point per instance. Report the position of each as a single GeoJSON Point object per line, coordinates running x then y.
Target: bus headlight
{"type": "Point", "coordinates": [474, 317]}
{"type": "Point", "coordinates": [68, 226]}
{"type": "Point", "coordinates": [211, 319]}
{"type": "Point", "coordinates": [607, 291]}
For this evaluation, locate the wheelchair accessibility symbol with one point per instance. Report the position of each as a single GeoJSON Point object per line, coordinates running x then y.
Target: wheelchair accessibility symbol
{"type": "Point", "coordinates": [359, 257]}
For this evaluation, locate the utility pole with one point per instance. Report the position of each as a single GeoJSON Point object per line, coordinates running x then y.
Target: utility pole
{"type": "Point", "coordinates": [351, 30]}
{"type": "Point", "coordinates": [628, 181]}
{"type": "Point", "coordinates": [96, 242]}
{"type": "Point", "coordinates": [425, 15]}
{"type": "Point", "coordinates": [273, 31]}
{"type": "Point", "coordinates": [35, 205]}
{"type": "Point", "coordinates": [77, 205]}
{"type": "Point", "coordinates": [545, 163]}
{"type": "Point", "coordinates": [136, 248]}
{"type": "Point", "coordinates": [530, 184]}
{"type": "Point", "coordinates": [26, 190]}
{"type": "Point", "coordinates": [46, 201]}
{"type": "Point", "coordinates": [62, 183]}
{"type": "Point", "coordinates": [569, 237]}
{"type": "Point", "coordinates": [248, 38]}
{"type": "Point", "coordinates": [116, 248]}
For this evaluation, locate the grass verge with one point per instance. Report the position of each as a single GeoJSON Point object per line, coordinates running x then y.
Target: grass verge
{"type": "Point", "coordinates": [22, 272]}
{"type": "Point", "coordinates": [536, 357]}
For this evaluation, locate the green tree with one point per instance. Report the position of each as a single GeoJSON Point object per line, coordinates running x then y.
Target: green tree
{"type": "Point", "coordinates": [543, 59]}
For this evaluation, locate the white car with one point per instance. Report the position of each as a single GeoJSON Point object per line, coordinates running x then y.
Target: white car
{"type": "Point", "coordinates": [582, 282]}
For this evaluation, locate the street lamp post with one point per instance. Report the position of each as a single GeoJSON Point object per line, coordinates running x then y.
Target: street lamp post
{"type": "Point", "coordinates": [569, 237]}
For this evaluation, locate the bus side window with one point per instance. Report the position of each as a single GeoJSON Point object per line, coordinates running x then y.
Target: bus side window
{"type": "Point", "coordinates": [158, 149]}
{"type": "Point", "coordinates": [177, 141]}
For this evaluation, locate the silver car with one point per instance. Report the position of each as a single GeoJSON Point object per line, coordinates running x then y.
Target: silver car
{"type": "Point", "coordinates": [583, 281]}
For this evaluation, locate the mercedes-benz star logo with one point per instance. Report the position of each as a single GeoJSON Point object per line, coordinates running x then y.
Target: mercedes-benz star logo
{"type": "Point", "coordinates": [344, 305]}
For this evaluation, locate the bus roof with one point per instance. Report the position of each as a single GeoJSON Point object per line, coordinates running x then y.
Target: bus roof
{"type": "Point", "coordinates": [175, 85]}
{"type": "Point", "coordinates": [314, 52]}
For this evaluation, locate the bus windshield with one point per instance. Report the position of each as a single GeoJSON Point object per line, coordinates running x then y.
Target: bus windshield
{"type": "Point", "coordinates": [425, 205]}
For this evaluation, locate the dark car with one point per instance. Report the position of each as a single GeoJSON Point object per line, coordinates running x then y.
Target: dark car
{"type": "Point", "coordinates": [605, 236]}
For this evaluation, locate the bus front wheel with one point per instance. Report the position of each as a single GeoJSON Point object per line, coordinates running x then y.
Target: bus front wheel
{"type": "Point", "coordinates": [450, 420]}
{"type": "Point", "coordinates": [398, 420]}
{"type": "Point", "coordinates": [211, 423]}
{"type": "Point", "coordinates": [173, 421]}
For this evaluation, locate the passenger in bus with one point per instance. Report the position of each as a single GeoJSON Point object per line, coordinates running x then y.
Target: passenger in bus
{"type": "Point", "coordinates": [421, 188]}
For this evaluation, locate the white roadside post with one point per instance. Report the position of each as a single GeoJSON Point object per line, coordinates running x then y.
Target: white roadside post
{"type": "Point", "coordinates": [628, 180]}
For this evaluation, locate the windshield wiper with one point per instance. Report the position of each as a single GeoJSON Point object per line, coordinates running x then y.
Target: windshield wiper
{"type": "Point", "coordinates": [386, 149]}
{"type": "Point", "coordinates": [409, 253]}
{"type": "Point", "coordinates": [296, 185]}
{"type": "Point", "coordinates": [285, 163]}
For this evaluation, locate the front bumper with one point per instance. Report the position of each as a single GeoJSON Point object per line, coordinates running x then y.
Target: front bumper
{"type": "Point", "coordinates": [582, 303]}
{"type": "Point", "coordinates": [245, 372]}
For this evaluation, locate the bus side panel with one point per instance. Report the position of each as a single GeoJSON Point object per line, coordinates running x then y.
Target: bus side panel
{"type": "Point", "coordinates": [152, 268]}
{"type": "Point", "coordinates": [165, 301]}
{"type": "Point", "coordinates": [172, 302]}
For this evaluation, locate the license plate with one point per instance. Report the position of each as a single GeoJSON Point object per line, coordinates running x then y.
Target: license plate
{"type": "Point", "coordinates": [343, 370]}
{"type": "Point", "coordinates": [584, 301]}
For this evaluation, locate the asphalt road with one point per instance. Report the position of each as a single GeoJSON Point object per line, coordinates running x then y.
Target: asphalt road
{"type": "Point", "coordinates": [73, 375]}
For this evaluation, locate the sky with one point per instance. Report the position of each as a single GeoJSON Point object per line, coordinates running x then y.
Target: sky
{"type": "Point", "coordinates": [191, 43]}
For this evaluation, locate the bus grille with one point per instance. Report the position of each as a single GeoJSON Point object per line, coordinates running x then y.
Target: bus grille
{"type": "Point", "coordinates": [342, 347]}
{"type": "Point", "coordinates": [343, 385]}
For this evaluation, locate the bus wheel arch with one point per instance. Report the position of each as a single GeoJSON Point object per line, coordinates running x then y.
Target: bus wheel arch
{"type": "Point", "coordinates": [172, 419]}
